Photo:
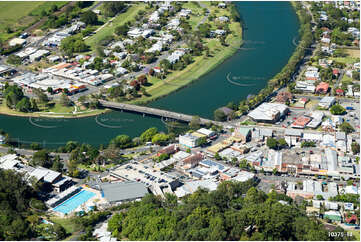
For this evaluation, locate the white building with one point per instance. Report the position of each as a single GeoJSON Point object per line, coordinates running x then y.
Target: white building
{"type": "Point", "coordinates": [268, 112]}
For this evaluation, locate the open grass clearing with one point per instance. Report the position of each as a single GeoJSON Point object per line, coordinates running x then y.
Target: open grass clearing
{"type": "Point", "coordinates": [16, 15]}
{"type": "Point", "coordinates": [108, 30]}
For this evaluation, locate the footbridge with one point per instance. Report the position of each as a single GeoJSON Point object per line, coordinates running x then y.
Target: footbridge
{"type": "Point", "coordinates": [154, 112]}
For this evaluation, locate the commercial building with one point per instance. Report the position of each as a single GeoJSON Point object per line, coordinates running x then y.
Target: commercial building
{"type": "Point", "coordinates": [327, 102]}
{"type": "Point", "coordinates": [123, 191]}
{"type": "Point", "coordinates": [242, 134]}
{"type": "Point", "coordinates": [333, 215]}
{"type": "Point", "coordinates": [189, 140]}
{"type": "Point", "coordinates": [269, 112]}
{"type": "Point", "coordinates": [192, 186]}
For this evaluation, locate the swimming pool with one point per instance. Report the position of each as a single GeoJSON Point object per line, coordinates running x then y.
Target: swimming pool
{"type": "Point", "coordinates": [75, 201]}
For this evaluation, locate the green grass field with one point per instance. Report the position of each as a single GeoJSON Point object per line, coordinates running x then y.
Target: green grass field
{"type": "Point", "coordinates": [16, 15]}
{"type": "Point", "coordinates": [108, 30]}
{"type": "Point", "coordinates": [68, 224]}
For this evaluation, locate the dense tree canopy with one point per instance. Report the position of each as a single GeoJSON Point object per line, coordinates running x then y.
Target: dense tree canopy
{"type": "Point", "coordinates": [337, 109]}
{"type": "Point", "coordinates": [112, 8]}
{"type": "Point", "coordinates": [15, 210]}
{"type": "Point", "coordinates": [89, 17]}
{"type": "Point", "coordinates": [235, 211]}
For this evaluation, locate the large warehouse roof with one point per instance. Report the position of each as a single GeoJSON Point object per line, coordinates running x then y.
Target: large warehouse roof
{"type": "Point", "coordinates": [122, 191]}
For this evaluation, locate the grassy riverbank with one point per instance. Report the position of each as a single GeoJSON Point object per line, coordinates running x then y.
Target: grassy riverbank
{"type": "Point", "coordinates": [56, 112]}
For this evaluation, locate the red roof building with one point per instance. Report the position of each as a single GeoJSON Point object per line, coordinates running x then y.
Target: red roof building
{"type": "Point", "coordinates": [340, 92]}
{"type": "Point", "coordinates": [170, 149]}
{"type": "Point", "coordinates": [283, 97]}
{"type": "Point", "coordinates": [352, 219]}
{"type": "Point", "coordinates": [335, 72]}
{"type": "Point", "coordinates": [322, 87]}
{"type": "Point", "coordinates": [301, 122]}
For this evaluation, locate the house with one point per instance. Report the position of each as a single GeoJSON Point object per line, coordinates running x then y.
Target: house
{"type": "Point", "coordinates": [135, 33]}
{"type": "Point", "coordinates": [223, 19]}
{"type": "Point", "coordinates": [283, 97]}
{"type": "Point", "coordinates": [175, 56]}
{"type": "Point", "coordinates": [17, 41]}
{"type": "Point", "coordinates": [340, 92]}
{"type": "Point", "coordinates": [322, 88]}
{"type": "Point", "coordinates": [328, 125]}
{"type": "Point", "coordinates": [305, 86]}
{"type": "Point", "coordinates": [301, 122]}
{"type": "Point", "coordinates": [327, 102]}
{"type": "Point", "coordinates": [222, 5]}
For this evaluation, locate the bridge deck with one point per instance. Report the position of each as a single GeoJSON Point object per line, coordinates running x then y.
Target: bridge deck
{"type": "Point", "coordinates": [154, 111]}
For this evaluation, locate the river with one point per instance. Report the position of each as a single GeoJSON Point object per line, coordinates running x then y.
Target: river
{"type": "Point", "coordinates": [269, 30]}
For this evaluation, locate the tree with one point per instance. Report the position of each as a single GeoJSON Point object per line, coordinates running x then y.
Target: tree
{"type": "Point", "coordinates": [319, 197]}
{"type": "Point", "coordinates": [73, 44]}
{"type": "Point", "coordinates": [15, 209]}
{"type": "Point", "coordinates": [272, 143]}
{"type": "Point", "coordinates": [13, 94]}
{"type": "Point", "coordinates": [41, 158]}
{"type": "Point", "coordinates": [89, 17]}
{"type": "Point", "coordinates": [160, 139]}
{"type": "Point", "coordinates": [121, 141]}
{"type": "Point", "coordinates": [219, 115]}
{"type": "Point", "coordinates": [64, 100]}
{"type": "Point", "coordinates": [346, 127]}
{"type": "Point", "coordinates": [41, 95]}
{"type": "Point", "coordinates": [195, 123]}
{"type": "Point", "coordinates": [24, 105]}
{"type": "Point", "coordinates": [112, 8]}
{"type": "Point", "coordinates": [122, 30]}
{"type": "Point", "coordinates": [165, 65]}
{"type": "Point", "coordinates": [337, 109]}
{"type": "Point", "coordinates": [147, 135]}
{"type": "Point", "coordinates": [14, 60]}
{"type": "Point", "coordinates": [355, 147]}
{"type": "Point", "coordinates": [99, 50]}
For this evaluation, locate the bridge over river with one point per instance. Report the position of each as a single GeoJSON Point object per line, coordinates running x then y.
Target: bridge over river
{"type": "Point", "coordinates": [155, 112]}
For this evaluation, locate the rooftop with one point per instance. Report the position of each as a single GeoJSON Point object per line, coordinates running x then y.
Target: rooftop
{"type": "Point", "coordinates": [115, 192]}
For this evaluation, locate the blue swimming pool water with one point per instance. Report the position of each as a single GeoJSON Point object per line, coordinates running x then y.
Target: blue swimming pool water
{"type": "Point", "coordinates": [75, 201]}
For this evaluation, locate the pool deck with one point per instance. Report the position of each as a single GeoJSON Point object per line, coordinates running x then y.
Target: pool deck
{"type": "Point", "coordinates": [97, 199]}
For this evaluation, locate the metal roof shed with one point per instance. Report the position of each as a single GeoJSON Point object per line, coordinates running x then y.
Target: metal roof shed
{"type": "Point", "coordinates": [123, 191]}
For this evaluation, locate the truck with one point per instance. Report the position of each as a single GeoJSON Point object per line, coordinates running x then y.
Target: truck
{"type": "Point", "coordinates": [349, 108]}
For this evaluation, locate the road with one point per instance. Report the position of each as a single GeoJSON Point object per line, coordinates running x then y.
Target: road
{"type": "Point", "coordinates": [25, 152]}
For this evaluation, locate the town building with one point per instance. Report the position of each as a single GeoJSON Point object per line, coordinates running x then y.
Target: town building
{"type": "Point", "coordinates": [269, 112]}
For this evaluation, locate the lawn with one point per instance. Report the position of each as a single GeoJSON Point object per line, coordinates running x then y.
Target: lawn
{"type": "Point", "coordinates": [68, 224]}
{"type": "Point", "coordinates": [108, 30]}
{"type": "Point", "coordinates": [66, 112]}
{"type": "Point", "coordinates": [353, 53]}
{"type": "Point", "coordinates": [16, 15]}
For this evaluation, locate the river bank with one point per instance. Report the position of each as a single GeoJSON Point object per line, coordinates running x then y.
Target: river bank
{"type": "Point", "coordinates": [4, 110]}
